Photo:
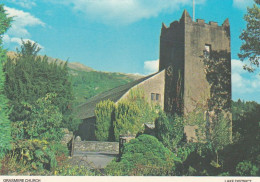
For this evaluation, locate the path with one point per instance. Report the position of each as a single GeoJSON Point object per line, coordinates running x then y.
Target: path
{"type": "Point", "coordinates": [94, 155]}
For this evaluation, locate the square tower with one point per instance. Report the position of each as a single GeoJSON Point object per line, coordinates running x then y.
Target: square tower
{"type": "Point", "coordinates": [197, 60]}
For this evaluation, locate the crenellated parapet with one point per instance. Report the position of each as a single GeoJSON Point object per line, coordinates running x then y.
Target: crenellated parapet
{"type": "Point", "coordinates": [186, 19]}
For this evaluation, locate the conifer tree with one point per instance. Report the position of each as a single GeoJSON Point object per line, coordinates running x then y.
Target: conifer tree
{"type": "Point", "coordinates": [104, 111]}
{"type": "Point", "coordinates": [30, 77]}
{"type": "Point", "coordinates": [5, 126]}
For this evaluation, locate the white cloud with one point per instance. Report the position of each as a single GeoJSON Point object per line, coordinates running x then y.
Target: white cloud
{"type": "Point", "coordinates": [18, 30]}
{"type": "Point", "coordinates": [151, 66]}
{"type": "Point", "coordinates": [237, 66]}
{"type": "Point", "coordinates": [242, 4]}
{"type": "Point", "coordinates": [23, 3]}
{"type": "Point", "coordinates": [22, 20]}
{"type": "Point", "coordinates": [8, 40]}
{"type": "Point", "coordinates": [256, 82]}
{"type": "Point", "coordinates": [124, 11]}
{"type": "Point", "coordinates": [242, 81]}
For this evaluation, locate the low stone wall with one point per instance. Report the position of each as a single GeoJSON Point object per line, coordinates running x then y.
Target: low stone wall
{"type": "Point", "coordinates": [68, 136]}
{"type": "Point", "coordinates": [96, 146]}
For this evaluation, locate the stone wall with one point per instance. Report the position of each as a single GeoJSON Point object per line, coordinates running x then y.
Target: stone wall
{"type": "Point", "coordinates": [172, 60]}
{"type": "Point", "coordinates": [155, 85]}
{"type": "Point", "coordinates": [68, 137]}
{"type": "Point", "coordinates": [198, 81]}
{"type": "Point", "coordinates": [96, 146]}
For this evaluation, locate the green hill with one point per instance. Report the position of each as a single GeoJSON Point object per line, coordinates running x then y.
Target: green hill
{"type": "Point", "coordinates": [88, 84]}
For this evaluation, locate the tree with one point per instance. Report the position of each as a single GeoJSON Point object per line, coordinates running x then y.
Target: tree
{"type": "Point", "coordinates": [169, 130]}
{"type": "Point", "coordinates": [251, 36]}
{"type": "Point", "coordinates": [30, 77]}
{"type": "Point", "coordinates": [246, 168]}
{"type": "Point", "coordinates": [220, 136]}
{"type": "Point", "coordinates": [245, 149]}
{"type": "Point", "coordinates": [103, 113]}
{"type": "Point", "coordinates": [44, 122]}
{"type": "Point", "coordinates": [127, 119]}
{"type": "Point", "coordinates": [5, 125]}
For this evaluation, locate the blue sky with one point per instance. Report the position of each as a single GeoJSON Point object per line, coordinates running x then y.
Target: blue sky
{"type": "Point", "coordinates": [121, 35]}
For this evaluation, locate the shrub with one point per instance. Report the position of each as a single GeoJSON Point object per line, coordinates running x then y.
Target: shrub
{"type": "Point", "coordinates": [144, 155]}
{"type": "Point", "coordinates": [127, 117]}
{"type": "Point", "coordinates": [169, 130]}
{"type": "Point", "coordinates": [68, 170]}
{"type": "Point", "coordinates": [148, 110]}
{"type": "Point", "coordinates": [246, 168]}
{"type": "Point", "coordinates": [126, 121]}
{"type": "Point", "coordinates": [103, 113]}
{"type": "Point", "coordinates": [34, 156]}
{"type": "Point", "coordinates": [133, 112]}
{"type": "Point", "coordinates": [44, 121]}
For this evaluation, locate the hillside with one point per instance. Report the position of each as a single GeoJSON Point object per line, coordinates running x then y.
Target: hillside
{"type": "Point", "coordinates": [88, 82]}
{"type": "Point", "coordinates": [73, 65]}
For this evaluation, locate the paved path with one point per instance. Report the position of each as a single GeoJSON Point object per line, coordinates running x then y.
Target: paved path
{"type": "Point", "coordinates": [97, 160]}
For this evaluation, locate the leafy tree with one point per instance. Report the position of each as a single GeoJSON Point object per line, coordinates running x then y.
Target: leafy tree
{"type": "Point", "coordinates": [220, 136]}
{"type": "Point", "coordinates": [246, 147]}
{"type": "Point", "coordinates": [44, 123]}
{"type": "Point", "coordinates": [251, 36]}
{"type": "Point", "coordinates": [104, 111]}
{"type": "Point", "coordinates": [5, 125]}
{"type": "Point", "coordinates": [29, 77]}
{"type": "Point", "coordinates": [212, 135]}
{"type": "Point", "coordinates": [169, 130]}
{"type": "Point", "coordinates": [144, 155]}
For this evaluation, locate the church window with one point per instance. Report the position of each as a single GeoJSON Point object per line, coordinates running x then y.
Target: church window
{"type": "Point", "coordinates": [155, 97]}
{"type": "Point", "coordinates": [152, 96]}
{"type": "Point", "coordinates": [158, 97]}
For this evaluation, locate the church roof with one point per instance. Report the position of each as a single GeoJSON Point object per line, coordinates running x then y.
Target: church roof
{"type": "Point", "coordinates": [87, 110]}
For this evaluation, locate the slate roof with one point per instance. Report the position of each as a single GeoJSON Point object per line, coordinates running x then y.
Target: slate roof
{"type": "Point", "coordinates": [87, 110]}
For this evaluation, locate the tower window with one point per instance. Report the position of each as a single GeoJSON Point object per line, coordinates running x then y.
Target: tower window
{"type": "Point", "coordinates": [207, 51]}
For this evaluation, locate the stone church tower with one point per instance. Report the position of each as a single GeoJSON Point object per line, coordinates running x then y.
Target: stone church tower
{"type": "Point", "coordinates": [197, 60]}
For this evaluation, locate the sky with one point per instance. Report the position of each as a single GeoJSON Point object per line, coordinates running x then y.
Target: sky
{"type": "Point", "coordinates": [121, 35]}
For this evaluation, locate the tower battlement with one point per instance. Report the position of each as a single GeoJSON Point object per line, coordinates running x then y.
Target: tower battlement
{"type": "Point", "coordinates": [212, 23]}
{"type": "Point", "coordinates": [186, 18]}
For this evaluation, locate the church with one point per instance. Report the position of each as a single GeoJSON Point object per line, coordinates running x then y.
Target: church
{"type": "Point", "coordinates": [194, 71]}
